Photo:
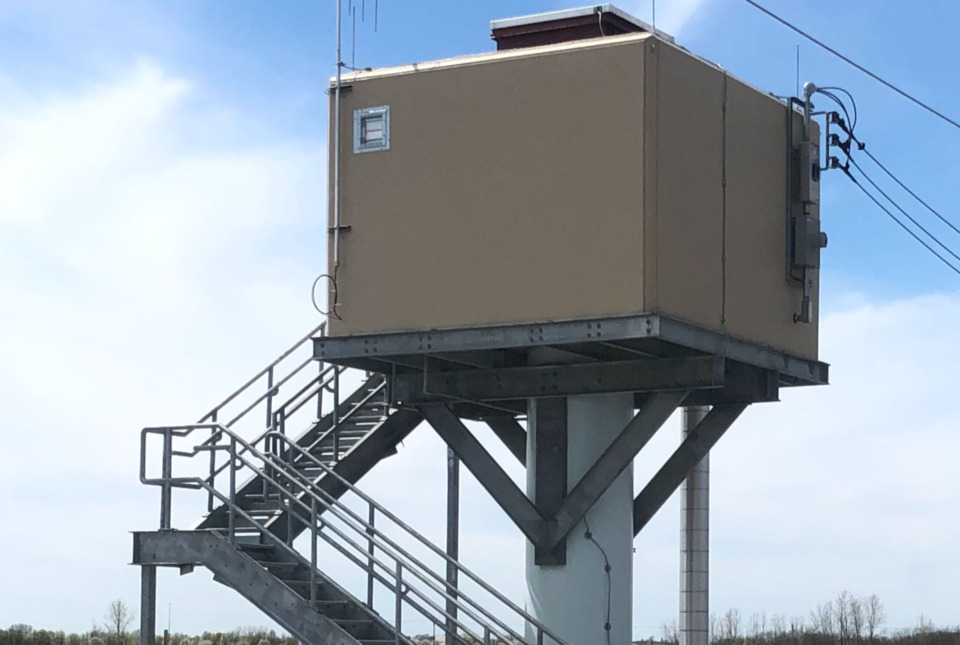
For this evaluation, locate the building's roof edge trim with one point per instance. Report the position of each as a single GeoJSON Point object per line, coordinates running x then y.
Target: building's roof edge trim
{"type": "Point", "coordinates": [565, 14]}
{"type": "Point", "coordinates": [487, 57]}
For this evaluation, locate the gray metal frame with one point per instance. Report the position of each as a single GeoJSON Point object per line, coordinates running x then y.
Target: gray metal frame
{"type": "Point", "coordinates": [612, 338]}
{"type": "Point", "coordinates": [697, 444]}
{"type": "Point", "coordinates": [442, 376]}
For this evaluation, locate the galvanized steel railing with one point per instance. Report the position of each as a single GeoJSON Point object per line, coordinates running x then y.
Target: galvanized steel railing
{"type": "Point", "coordinates": [413, 583]}
{"type": "Point", "coordinates": [270, 454]}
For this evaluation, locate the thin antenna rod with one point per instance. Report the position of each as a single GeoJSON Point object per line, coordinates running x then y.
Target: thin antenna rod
{"type": "Point", "coordinates": [654, 2]}
{"type": "Point", "coordinates": [798, 70]}
{"type": "Point", "coordinates": [376, 15]}
{"type": "Point", "coordinates": [336, 141]}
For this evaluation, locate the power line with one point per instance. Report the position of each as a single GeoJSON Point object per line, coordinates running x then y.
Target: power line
{"type": "Point", "coordinates": [853, 63]}
{"type": "Point", "coordinates": [905, 213]}
{"type": "Point", "coordinates": [828, 91]}
{"type": "Point", "coordinates": [900, 223]}
{"type": "Point", "coordinates": [930, 208]}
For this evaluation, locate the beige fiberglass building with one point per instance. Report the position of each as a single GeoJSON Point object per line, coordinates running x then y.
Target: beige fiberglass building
{"type": "Point", "coordinates": [580, 179]}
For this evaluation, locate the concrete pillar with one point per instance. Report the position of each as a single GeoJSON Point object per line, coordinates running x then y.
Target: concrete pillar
{"type": "Point", "coordinates": [695, 543]}
{"type": "Point", "coordinates": [573, 599]}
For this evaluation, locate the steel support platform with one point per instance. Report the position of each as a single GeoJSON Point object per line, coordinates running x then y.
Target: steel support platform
{"type": "Point", "coordinates": [495, 373]}
{"type": "Point", "coordinates": [488, 369]}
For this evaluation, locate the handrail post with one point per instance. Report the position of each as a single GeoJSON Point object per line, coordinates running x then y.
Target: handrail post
{"type": "Point", "coordinates": [336, 395]}
{"type": "Point", "coordinates": [370, 551]}
{"type": "Point", "coordinates": [231, 512]}
{"type": "Point", "coordinates": [486, 635]}
{"type": "Point", "coordinates": [398, 621]}
{"type": "Point", "coordinates": [213, 464]}
{"type": "Point", "coordinates": [336, 416]}
{"type": "Point", "coordinates": [166, 490]}
{"type": "Point", "coordinates": [320, 392]}
{"type": "Point", "coordinates": [313, 553]}
{"type": "Point", "coordinates": [269, 396]}
{"type": "Point", "coordinates": [273, 442]}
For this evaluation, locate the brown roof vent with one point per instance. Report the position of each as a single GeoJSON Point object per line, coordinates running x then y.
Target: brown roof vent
{"type": "Point", "coordinates": [565, 26]}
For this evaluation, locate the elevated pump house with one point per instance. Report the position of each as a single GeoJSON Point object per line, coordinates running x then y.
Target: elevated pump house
{"type": "Point", "coordinates": [567, 239]}
{"type": "Point", "coordinates": [587, 222]}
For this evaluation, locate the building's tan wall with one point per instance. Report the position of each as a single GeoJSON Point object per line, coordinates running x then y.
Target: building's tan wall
{"type": "Point", "coordinates": [512, 192]}
{"type": "Point", "coordinates": [748, 294]}
{"type": "Point", "coordinates": [761, 301]}
{"type": "Point", "coordinates": [689, 194]}
{"type": "Point", "coordinates": [568, 182]}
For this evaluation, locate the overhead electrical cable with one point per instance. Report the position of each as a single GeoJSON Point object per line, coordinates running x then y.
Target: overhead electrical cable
{"type": "Point", "coordinates": [855, 64]}
{"type": "Point", "coordinates": [861, 146]}
{"type": "Point", "coordinates": [829, 93]}
{"type": "Point", "coordinates": [905, 213]}
{"type": "Point", "coordinates": [873, 158]}
{"type": "Point", "coordinates": [900, 223]}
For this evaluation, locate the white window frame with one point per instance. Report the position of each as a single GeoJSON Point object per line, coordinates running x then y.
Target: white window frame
{"type": "Point", "coordinates": [359, 116]}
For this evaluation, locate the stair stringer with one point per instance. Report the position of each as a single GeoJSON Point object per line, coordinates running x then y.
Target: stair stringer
{"type": "Point", "coordinates": [245, 576]}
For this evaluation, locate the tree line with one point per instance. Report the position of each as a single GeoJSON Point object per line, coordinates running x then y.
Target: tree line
{"type": "Point", "coordinates": [26, 635]}
{"type": "Point", "coordinates": [844, 620]}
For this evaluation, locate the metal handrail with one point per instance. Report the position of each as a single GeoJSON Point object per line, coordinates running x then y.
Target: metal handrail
{"type": "Point", "coordinates": [198, 483]}
{"type": "Point", "coordinates": [212, 415]}
{"type": "Point", "coordinates": [416, 535]}
{"type": "Point", "coordinates": [336, 508]}
{"type": "Point", "coordinates": [276, 540]}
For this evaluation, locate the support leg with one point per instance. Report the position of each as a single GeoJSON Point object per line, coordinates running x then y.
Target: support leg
{"type": "Point", "coordinates": [453, 537]}
{"type": "Point", "coordinates": [572, 599]}
{"type": "Point", "coordinates": [695, 543]}
{"type": "Point", "coordinates": [148, 605]}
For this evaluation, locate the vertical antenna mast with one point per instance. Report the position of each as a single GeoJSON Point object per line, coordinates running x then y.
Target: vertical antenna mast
{"type": "Point", "coordinates": [336, 149]}
{"type": "Point", "coordinates": [798, 70]}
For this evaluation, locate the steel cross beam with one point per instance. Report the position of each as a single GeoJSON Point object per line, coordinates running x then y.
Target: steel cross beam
{"type": "Point", "coordinates": [697, 444]}
{"type": "Point", "coordinates": [511, 433]}
{"type": "Point", "coordinates": [487, 471]}
{"type": "Point", "coordinates": [617, 457]}
{"type": "Point", "coordinates": [511, 383]}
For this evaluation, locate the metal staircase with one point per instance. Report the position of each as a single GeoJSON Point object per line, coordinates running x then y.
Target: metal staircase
{"type": "Point", "coordinates": [264, 488]}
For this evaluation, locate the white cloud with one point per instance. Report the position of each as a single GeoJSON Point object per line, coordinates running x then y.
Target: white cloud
{"type": "Point", "coordinates": [672, 16]}
{"type": "Point", "coordinates": [144, 272]}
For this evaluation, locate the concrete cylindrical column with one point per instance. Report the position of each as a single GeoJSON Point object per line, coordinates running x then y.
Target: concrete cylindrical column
{"type": "Point", "coordinates": [694, 628]}
{"type": "Point", "coordinates": [578, 599]}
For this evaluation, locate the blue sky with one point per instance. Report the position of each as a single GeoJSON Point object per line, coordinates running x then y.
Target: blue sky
{"type": "Point", "coordinates": [161, 220]}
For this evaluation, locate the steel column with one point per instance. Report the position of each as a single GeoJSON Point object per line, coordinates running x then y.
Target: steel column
{"type": "Point", "coordinates": [148, 605]}
{"type": "Point", "coordinates": [695, 542]}
{"type": "Point", "coordinates": [548, 432]}
{"type": "Point", "coordinates": [453, 542]}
